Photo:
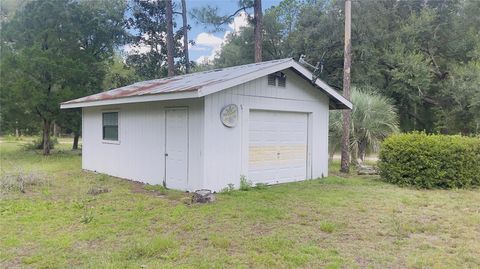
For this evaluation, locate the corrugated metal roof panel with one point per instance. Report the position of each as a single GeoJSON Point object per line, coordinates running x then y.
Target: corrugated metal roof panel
{"type": "Point", "coordinates": [189, 82]}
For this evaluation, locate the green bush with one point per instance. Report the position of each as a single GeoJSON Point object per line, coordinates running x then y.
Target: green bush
{"type": "Point", "coordinates": [37, 143]}
{"type": "Point", "coordinates": [430, 161]}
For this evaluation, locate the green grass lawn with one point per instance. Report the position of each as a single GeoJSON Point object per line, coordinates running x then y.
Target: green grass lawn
{"type": "Point", "coordinates": [336, 222]}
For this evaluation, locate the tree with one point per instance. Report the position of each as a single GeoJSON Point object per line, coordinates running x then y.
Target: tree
{"type": "Point", "coordinates": [420, 54]}
{"type": "Point", "coordinates": [185, 28]}
{"type": "Point", "coordinates": [9, 7]}
{"type": "Point", "coordinates": [278, 24]}
{"type": "Point", "coordinates": [345, 162]}
{"type": "Point", "coordinates": [101, 28]}
{"type": "Point", "coordinates": [58, 50]}
{"type": "Point", "coordinates": [374, 117]}
{"type": "Point", "coordinates": [170, 38]}
{"type": "Point", "coordinates": [237, 50]}
{"type": "Point", "coordinates": [209, 16]}
{"type": "Point", "coordinates": [118, 74]}
{"type": "Point", "coordinates": [148, 57]}
{"type": "Point", "coordinates": [409, 52]}
{"type": "Point", "coordinates": [15, 115]}
{"type": "Point", "coordinates": [258, 29]}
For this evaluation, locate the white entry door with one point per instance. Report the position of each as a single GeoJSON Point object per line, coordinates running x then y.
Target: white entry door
{"type": "Point", "coordinates": [176, 148]}
{"type": "Point", "coordinates": [277, 146]}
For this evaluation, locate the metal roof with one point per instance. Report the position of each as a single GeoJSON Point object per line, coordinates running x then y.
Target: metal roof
{"type": "Point", "coordinates": [192, 85]}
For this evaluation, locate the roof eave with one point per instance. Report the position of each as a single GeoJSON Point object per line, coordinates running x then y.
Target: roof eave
{"type": "Point", "coordinates": [132, 99]}
{"type": "Point", "coordinates": [337, 101]}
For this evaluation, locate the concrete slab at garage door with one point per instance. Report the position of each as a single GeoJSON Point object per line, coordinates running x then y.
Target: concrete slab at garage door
{"type": "Point", "coordinates": [277, 146]}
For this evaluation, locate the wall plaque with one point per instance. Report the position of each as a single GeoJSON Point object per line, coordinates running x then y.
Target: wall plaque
{"type": "Point", "coordinates": [229, 115]}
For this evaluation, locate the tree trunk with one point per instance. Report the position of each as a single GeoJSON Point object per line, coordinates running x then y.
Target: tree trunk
{"type": "Point", "coordinates": [354, 157]}
{"type": "Point", "coordinates": [185, 37]}
{"type": "Point", "coordinates": [46, 136]}
{"type": "Point", "coordinates": [76, 136]}
{"type": "Point", "coordinates": [258, 29]}
{"type": "Point", "coordinates": [362, 150]}
{"type": "Point", "coordinates": [170, 39]}
{"type": "Point", "coordinates": [56, 129]}
{"type": "Point", "coordinates": [345, 160]}
{"type": "Point", "coordinates": [17, 133]}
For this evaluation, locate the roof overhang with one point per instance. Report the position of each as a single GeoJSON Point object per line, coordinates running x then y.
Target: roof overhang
{"type": "Point", "coordinates": [337, 101]}
{"type": "Point", "coordinates": [133, 99]}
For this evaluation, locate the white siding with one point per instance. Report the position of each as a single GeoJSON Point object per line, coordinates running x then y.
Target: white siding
{"type": "Point", "coordinates": [226, 149]}
{"type": "Point", "coordinates": [140, 154]}
{"type": "Point", "coordinates": [217, 155]}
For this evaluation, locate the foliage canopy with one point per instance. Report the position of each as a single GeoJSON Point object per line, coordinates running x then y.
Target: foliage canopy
{"type": "Point", "coordinates": [423, 55]}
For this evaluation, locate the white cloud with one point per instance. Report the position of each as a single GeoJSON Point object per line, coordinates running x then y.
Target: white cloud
{"type": "Point", "coordinates": [241, 20]}
{"type": "Point", "coordinates": [134, 49]}
{"type": "Point", "coordinates": [206, 43]}
{"type": "Point", "coordinates": [209, 42]}
{"type": "Point", "coordinates": [137, 49]}
{"type": "Point", "coordinates": [203, 60]}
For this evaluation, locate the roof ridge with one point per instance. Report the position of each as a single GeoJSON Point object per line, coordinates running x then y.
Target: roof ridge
{"type": "Point", "coordinates": [215, 70]}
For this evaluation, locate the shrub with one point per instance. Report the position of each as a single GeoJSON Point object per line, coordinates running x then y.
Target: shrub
{"type": "Point", "coordinates": [327, 227]}
{"type": "Point", "coordinates": [373, 118]}
{"type": "Point", "coordinates": [37, 143]}
{"type": "Point", "coordinates": [97, 190]}
{"type": "Point", "coordinates": [245, 185]}
{"type": "Point", "coordinates": [18, 181]}
{"type": "Point", "coordinates": [229, 189]}
{"type": "Point", "coordinates": [87, 215]}
{"type": "Point", "coordinates": [430, 161]}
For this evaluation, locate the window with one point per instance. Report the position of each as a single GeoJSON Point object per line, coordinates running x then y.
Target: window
{"type": "Point", "coordinates": [110, 126]}
{"type": "Point", "coordinates": [282, 80]}
{"type": "Point", "coordinates": [277, 79]}
{"type": "Point", "coordinates": [271, 79]}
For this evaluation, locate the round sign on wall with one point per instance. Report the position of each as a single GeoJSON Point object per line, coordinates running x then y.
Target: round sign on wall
{"type": "Point", "coordinates": [229, 115]}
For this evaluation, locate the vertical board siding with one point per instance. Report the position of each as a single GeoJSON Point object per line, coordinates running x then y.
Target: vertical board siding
{"type": "Point", "coordinates": [226, 149]}
{"type": "Point", "coordinates": [217, 155]}
{"type": "Point", "coordinates": [139, 155]}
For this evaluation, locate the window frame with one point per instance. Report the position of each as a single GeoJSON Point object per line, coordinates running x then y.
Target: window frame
{"type": "Point", "coordinates": [274, 80]}
{"type": "Point", "coordinates": [277, 76]}
{"type": "Point", "coordinates": [107, 141]}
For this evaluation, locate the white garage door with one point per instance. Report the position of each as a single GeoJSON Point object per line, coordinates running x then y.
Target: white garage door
{"type": "Point", "coordinates": [277, 146]}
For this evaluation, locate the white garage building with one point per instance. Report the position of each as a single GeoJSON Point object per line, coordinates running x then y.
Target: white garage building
{"type": "Point", "coordinates": [266, 121]}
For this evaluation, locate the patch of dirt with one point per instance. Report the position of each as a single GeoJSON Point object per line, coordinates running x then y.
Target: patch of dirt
{"type": "Point", "coordinates": [139, 187]}
{"type": "Point", "coordinates": [171, 196]}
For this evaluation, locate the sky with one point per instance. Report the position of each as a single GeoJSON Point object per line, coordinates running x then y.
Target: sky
{"type": "Point", "coordinates": [207, 43]}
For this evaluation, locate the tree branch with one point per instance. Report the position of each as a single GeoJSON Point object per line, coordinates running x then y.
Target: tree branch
{"type": "Point", "coordinates": [38, 112]}
{"type": "Point", "coordinates": [208, 15]}
{"type": "Point", "coordinates": [228, 18]}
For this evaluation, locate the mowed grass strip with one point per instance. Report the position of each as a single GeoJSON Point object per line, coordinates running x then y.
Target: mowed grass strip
{"type": "Point", "coordinates": [336, 222]}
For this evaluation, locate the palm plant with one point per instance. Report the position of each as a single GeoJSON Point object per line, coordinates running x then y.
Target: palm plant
{"type": "Point", "coordinates": [374, 117]}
